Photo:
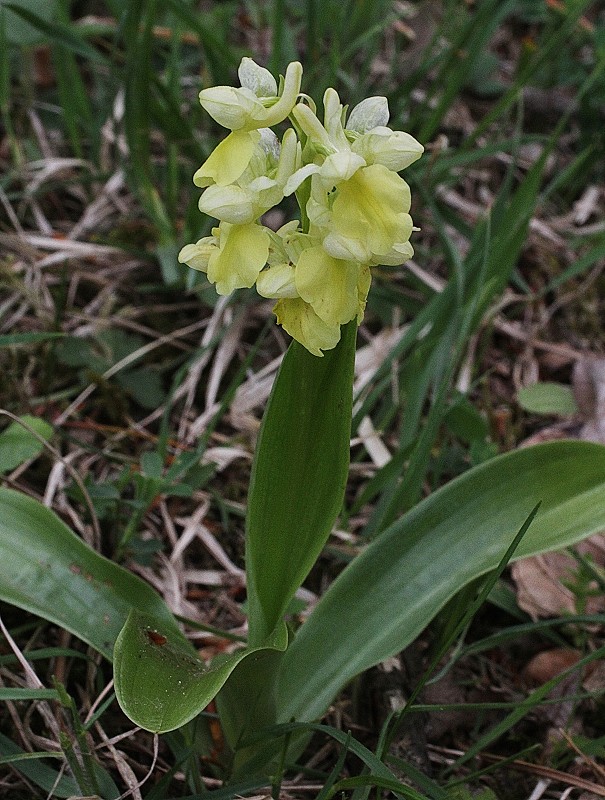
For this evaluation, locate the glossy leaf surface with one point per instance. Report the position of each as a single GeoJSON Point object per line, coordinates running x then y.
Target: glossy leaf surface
{"type": "Point", "coordinates": [389, 593]}
{"type": "Point", "coordinates": [299, 475]}
{"type": "Point", "coordinates": [48, 570]}
{"type": "Point", "coordinates": [160, 684]}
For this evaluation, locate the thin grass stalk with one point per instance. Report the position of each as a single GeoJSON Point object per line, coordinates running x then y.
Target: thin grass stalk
{"type": "Point", "coordinates": [278, 27]}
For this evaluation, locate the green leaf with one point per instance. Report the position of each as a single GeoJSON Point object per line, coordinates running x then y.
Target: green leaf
{"type": "Point", "coordinates": [12, 339]}
{"type": "Point", "coordinates": [388, 594]}
{"type": "Point", "coordinates": [16, 693]}
{"type": "Point", "coordinates": [17, 30]}
{"type": "Point", "coordinates": [298, 477]}
{"type": "Point", "coordinates": [46, 569]}
{"type": "Point", "coordinates": [46, 29]}
{"type": "Point", "coordinates": [50, 780]}
{"type": "Point", "coordinates": [18, 445]}
{"type": "Point", "coordinates": [548, 398]}
{"type": "Point", "coordinates": [465, 421]}
{"type": "Point", "coordinates": [160, 684]}
{"type": "Point", "coordinates": [368, 758]}
{"type": "Point", "coordinates": [145, 385]}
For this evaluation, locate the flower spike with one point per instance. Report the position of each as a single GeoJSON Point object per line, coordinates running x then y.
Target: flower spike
{"type": "Point", "coordinates": [354, 205]}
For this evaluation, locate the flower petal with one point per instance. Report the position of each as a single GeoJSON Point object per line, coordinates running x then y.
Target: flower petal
{"type": "Point", "coordinates": [280, 110]}
{"type": "Point", "coordinates": [372, 208]}
{"type": "Point", "coordinates": [197, 255]}
{"type": "Point", "coordinates": [290, 158]}
{"type": "Point", "coordinates": [301, 175]}
{"type": "Point", "coordinates": [328, 284]}
{"type": "Point", "coordinates": [277, 281]}
{"type": "Point", "coordinates": [333, 119]}
{"type": "Point", "coordinates": [368, 114]}
{"type": "Point", "coordinates": [345, 247]}
{"type": "Point", "coordinates": [230, 107]}
{"type": "Point", "coordinates": [400, 253]}
{"type": "Point", "coordinates": [228, 160]}
{"type": "Point", "coordinates": [393, 149]}
{"type": "Point", "coordinates": [242, 253]}
{"type": "Point", "coordinates": [232, 204]}
{"type": "Point", "coordinates": [303, 324]}
{"type": "Point", "coordinates": [309, 124]}
{"type": "Point", "coordinates": [256, 78]}
{"type": "Point", "coordinates": [340, 167]}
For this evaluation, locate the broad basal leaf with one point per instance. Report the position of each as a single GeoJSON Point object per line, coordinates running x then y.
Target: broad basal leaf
{"type": "Point", "coordinates": [160, 684]}
{"type": "Point", "coordinates": [389, 593]}
{"type": "Point", "coordinates": [46, 569]}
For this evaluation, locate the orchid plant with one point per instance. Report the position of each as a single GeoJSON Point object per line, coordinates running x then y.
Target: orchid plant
{"type": "Point", "coordinates": [354, 214]}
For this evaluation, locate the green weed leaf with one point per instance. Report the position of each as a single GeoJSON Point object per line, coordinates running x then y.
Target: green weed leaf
{"type": "Point", "coordinates": [38, 26]}
{"type": "Point", "coordinates": [18, 445]}
{"type": "Point", "coordinates": [17, 30]}
{"type": "Point", "coordinates": [14, 339]}
{"type": "Point", "coordinates": [31, 765]}
{"type": "Point", "coordinates": [548, 398]}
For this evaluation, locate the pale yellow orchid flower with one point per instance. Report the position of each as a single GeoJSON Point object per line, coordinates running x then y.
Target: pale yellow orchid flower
{"type": "Point", "coordinates": [333, 291]}
{"type": "Point", "coordinates": [257, 103]}
{"type": "Point", "coordinates": [232, 257]}
{"type": "Point", "coordinates": [317, 325]}
{"type": "Point", "coordinates": [261, 184]}
{"type": "Point", "coordinates": [369, 219]}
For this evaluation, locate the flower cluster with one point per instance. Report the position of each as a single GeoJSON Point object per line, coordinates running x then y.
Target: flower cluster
{"type": "Point", "coordinates": [354, 205]}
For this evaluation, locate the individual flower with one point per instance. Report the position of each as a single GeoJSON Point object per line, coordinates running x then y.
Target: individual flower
{"type": "Point", "coordinates": [257, 104]}
{"type": "Point", "coordinates": [261, 184]}
{"type": "Point", "coordinates": [357, 204]}
{"type": "Point", "coordinates": [316, 293]}
{"type": "Point", "coordinates": [232, 257]}
{"type": "Point", "coordinates": [393, 149]}
{"type": "Point", "coordinates": [374, 142]}
{"type": "Point", "coordinates": [368, 219]}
